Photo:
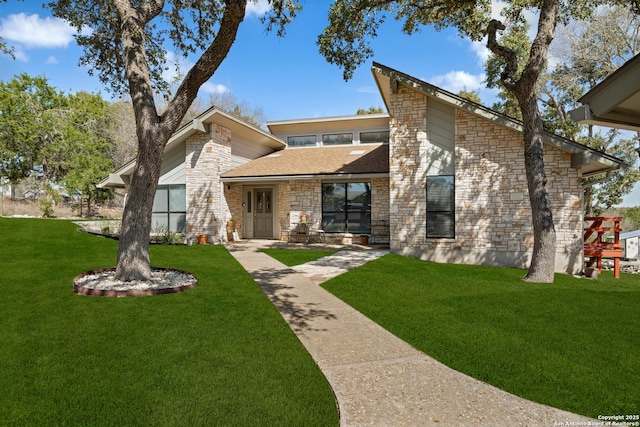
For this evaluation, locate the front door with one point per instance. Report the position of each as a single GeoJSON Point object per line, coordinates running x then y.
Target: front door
{"type": "Point", "coordinates": [263, 213]}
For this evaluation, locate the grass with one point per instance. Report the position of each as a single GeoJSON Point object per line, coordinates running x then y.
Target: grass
{"type": "Point", "coordinates": [572, 344]}
{"type": "Point", "coordinates": [291, 257]}
{"type": "Point", "coordinates": [218, 354]}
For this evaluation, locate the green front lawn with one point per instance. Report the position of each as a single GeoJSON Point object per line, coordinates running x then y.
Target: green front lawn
{"type": "Point", "coordinates": [218, 354]}
{"type": "Point", "coordinates": [573, 344]}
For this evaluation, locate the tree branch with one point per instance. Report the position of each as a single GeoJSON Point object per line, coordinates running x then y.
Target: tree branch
{"type": "Point", "coordinates": [508, 74]}
{"type": "Point", "coordinates": [540, 45]}
{"type": "Point", "coordinates": [207, 64]}
{"type": "Point", "coordinates": [149, 10]}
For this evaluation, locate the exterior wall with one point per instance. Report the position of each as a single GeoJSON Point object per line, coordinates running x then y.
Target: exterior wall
{"type": "Point", "coordinates": [207, 156]}
{"type": "Point", "coordinates": [173, 166]}
{"type": "Point", "coordinates": [493, 215]}
{"type": "Point", "coordinates": [284, 207]}
{"type": "Point", "coordinates": [295, 197]}
{"type": "Point", "coordinates": [306, 196]}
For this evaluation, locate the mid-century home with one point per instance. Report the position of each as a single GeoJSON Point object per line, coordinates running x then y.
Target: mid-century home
{"type": "Point", "coordinates": [438, 177]}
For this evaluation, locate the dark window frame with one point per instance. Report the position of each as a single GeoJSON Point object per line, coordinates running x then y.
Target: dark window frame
{"type": "Point", "coordinates": [308, 137]}
{"type": "Point", "coordinates": [332, 139]}
{"type": "Point", "coordinates": [384, 140]}
{"type": "Point", "coordinates": [335, 219]}
{"type": "Point", "coordinates": [168, 211]}
{"type": "Point", "coordinates": [440, 211]}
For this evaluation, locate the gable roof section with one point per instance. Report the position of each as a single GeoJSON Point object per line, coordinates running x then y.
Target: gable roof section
{"type": "Point", "coordinates": [345, 161]}
{"type": "Point", "coordinates": [238, 127]}
{"type": "Point", "coordinates": [615, 101]}
{"type": "Point", "coordinates": [590, 160]}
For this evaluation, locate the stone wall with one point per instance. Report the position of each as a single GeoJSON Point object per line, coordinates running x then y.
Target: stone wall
{"type": "Point", "coordinates": [300, 196]}
{"type": "Point", "coordinates": [207, 156]}
{"type": "Point", "coordinates": [493, 215]}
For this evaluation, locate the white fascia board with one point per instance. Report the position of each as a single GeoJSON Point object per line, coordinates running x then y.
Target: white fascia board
{"type": "Point", "coordinates": [280, 178]}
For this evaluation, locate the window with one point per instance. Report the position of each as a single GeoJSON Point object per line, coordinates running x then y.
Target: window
{"type": "Point", "coordinates": [374, 137]}
{"type": "Point", "coordinates": [346, 207]}
{"type": "Point", "coordinates": [441, 206]}
{"type": "Point", "coordinates": [337, 139]}
{"type": "Point", "coordinates": [301, 141]}
{"type": "Point", "coordinates": [170, 208]}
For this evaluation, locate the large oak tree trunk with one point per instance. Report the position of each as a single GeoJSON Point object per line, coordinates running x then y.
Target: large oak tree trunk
{"type": "Point", "coordinates": [153, 130]}
{"type": "Point", "coordinates": [542, 265]}
{"type": "Point", "coordinates": [133, 251]}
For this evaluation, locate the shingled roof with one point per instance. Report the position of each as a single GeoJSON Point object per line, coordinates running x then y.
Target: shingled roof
{"type": "Point", "coordinates": [339, 161]}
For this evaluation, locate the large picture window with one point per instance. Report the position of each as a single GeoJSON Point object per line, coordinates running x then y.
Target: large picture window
{"type": "Point", "coordinates": [441, 206]}
{"type": "Point", "coordinates": [170, 208]}
{"type": "Point", "coordinates": [346, 207]}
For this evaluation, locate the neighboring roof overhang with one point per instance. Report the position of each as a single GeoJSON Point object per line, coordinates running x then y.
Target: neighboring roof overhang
{"type": "Point", "coordinates": [344, 162]}
{"type": "Point", "coordinates": [238, 127]}
{"type": "Point", "coordinates": [615, 101]}
{"type": "Point", "coordinates": [590, 160]}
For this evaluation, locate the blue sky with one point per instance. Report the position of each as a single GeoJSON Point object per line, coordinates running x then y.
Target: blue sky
{"type": "Point", "coordinates": [286, 77]}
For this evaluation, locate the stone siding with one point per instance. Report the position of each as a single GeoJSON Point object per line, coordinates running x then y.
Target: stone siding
{"type": "Point", "coordinates": [493, 214]}
{"type": "Point", "coordinates": [207, 156]}
{"type": "Point", "coordinates": [300, 196]}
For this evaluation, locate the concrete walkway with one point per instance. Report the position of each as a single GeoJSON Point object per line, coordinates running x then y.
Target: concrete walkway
{"type": "Point", "coordinates": [378, 379]}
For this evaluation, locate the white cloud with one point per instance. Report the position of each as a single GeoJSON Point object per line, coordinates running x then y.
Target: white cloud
{"type": "Point", "coordinates": [51, 60]}
{"type": "Point", "coordinates": [213, 88]}
{"type": "Point", "coordinates": [455, 81]}
{"type": "Point", "coordinates": [20, 55]}
{"type": "Point", "coordinates": [257, 7]}
{"type": "Point", "coordinates": [31, 31]}
{"type": "Point", "coordinates": [177, 67]}
{"type": "Point", "coordinates": [480, 50]}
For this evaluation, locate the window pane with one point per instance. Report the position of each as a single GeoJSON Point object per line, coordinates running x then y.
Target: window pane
{"type": "Point", "coordinates": [440, 194]}
{"type": "Point", "coordinates": [160, 201]}
{"type": "Point", "coordinates": [359, 222]}
{"type": "Point", "coordinates": [440, 224]}
{"type": "Point", "coordinates": [333, 222]}
{"type": "Point", "coordinates": [337, 139]}
{"type": "Point", "coordinates": [259, 202]}
{"type": "Point", "coordinates": [267, 202]}
{"type": "Point", "coordinates": [301, 141]}
{"type": "Point", "coordinates": [358, 196]}
{"type": "Point", "coordinates": [177, 198]}
{"type": "Point", "coordinates": [159, 222]}
{"type": "Point", "coordinates": [374, 137]}
{"type": "Point", "coordinates": [177, 222]}
{"type": "Point", "coordinates": [441, 206]}
{"type": "Point", "coordinates": [333, 197]}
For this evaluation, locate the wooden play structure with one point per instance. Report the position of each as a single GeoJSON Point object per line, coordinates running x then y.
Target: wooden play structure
{"type": "Point", "coordinates": [602, 240]}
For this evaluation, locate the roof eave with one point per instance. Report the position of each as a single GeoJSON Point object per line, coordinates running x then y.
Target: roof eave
{"type": "Point", "coordinates": [280, 178]}
{"type": "Point", "coordinates": [575, 149]}
{"type": "Point", "coordinates": [585, 115]}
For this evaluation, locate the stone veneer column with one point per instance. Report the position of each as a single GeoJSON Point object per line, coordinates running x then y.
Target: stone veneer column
{"type": "Point", "coordinates": [207, 156]}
